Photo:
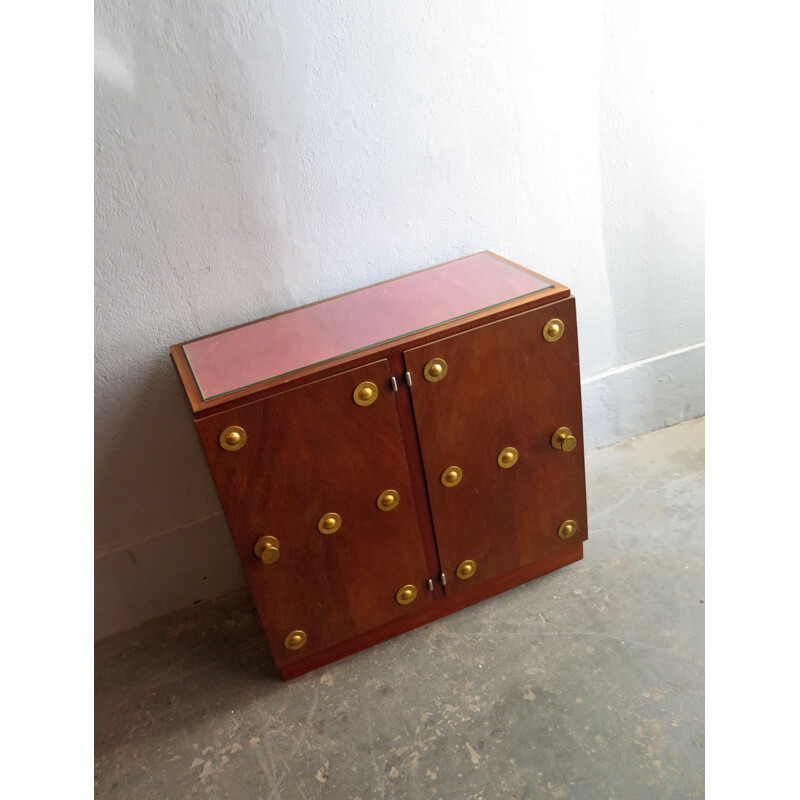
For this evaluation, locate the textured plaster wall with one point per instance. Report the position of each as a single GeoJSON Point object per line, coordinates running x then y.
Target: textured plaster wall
{"type": "Point", "coordinates": [254, 156]}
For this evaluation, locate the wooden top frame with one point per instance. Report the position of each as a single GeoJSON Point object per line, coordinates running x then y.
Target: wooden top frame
{"type": "Point", "coordinates": [203, 407]}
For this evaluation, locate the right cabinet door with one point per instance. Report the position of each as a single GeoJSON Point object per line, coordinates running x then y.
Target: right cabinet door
{"type": "Point", "coordinates": [498, 413]}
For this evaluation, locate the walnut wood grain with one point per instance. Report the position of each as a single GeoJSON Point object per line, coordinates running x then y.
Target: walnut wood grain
{"type": "Point", "coordinates": [309, 452]}
{"type": "Point", "coordinates": [441, 608]}
{"type": "Point", "coordinates": [505, 387]}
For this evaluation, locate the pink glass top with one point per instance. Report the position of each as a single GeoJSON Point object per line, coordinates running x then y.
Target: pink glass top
{"type": "Point", "coordinates": [241, 357]}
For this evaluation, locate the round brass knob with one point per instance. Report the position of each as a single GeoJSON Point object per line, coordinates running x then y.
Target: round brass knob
{"type": "Point", "coordinates": [366, 393]}
{"type": "Point", "coordinates": [567, 529]}
{"type": "Point", "coordinates": [466, 569]}
{"type": "Point", "coordinates": [270, 554]}
{"type": "Point", "coordinates": [295, 640]}
{"type": "Point", "coordinates": [553, 330]}
{"type": "Point", "coordinates": [452, 476]}
{"type": "Point", "coordinates": [267, 549]}
{"type": "Point", "coordinates": [233, 438]}
{"type": "Point", "coordinates": [407, 594]}
{"type": "Point", "coordinates": [388, 500]}
{"type": "Point", "coordinates": [329, 523]}
{"type": "Point", "coordinates": [563, 439]}
{"type": "Point", "coordinates": [508, 457]}
{"type": "Point", "coordinates": [435, 370]}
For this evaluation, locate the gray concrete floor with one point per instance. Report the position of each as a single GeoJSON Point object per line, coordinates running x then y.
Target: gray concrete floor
{"type": "Point", "coordinates": [586, 683]}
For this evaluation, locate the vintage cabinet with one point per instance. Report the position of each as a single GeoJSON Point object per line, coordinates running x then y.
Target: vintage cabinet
{"type": "Point", "coordinates": [394, 454]}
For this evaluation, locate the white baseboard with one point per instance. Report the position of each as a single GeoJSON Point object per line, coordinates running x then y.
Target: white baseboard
{"type": "Point", "coordinates": [644, 396]}
{"type": "Point", "coordinates": [167, 573]}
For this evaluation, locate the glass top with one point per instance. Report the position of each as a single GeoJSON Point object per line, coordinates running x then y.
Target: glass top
{"type": "Point", "coordinates": [235, 359]}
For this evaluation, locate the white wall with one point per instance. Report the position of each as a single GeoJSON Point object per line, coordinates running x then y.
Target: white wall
{"type": "Point", "coordinates": [251, 157]}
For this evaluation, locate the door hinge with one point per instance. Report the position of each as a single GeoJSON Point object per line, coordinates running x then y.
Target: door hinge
{"type": "Point", "coordinates": [408, 378]}
{"type": "Point", "coordinates": [394, 384]}
{"type": "Point", "coordinates": [443, 579]}
{"type": "Point", "coordinates": [430, 585]}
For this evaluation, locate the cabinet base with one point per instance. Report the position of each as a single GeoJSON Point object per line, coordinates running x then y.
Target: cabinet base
{"type": "Point", "coordinates": [441, 608]}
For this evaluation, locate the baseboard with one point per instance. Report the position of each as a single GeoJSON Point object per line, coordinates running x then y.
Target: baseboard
{"type": "Point", "coordinates": [644, 396]}
{"type": "Point", "coordinates": [168, 573]}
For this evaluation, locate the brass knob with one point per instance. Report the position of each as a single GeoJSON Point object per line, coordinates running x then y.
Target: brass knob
{"type": "Point", "coordinates": [366, 393]}
{"type": "Point", "coordinates": [233, 438]}
{"type": "Point", "coordinates": [553, 330]}
{"type": "Point", "coordinates": [435, 370]}
{"type": "Point", "coordinates": [567, 529]}
{"type": "Point", "coordinates": [329, 523]}
{"type": "Point", "coordinates": [452, 476]}
{"type": "Point", "coordinates": [267, 549]}
{"type": "Point", "coordinates": [388, 500]}
{"type": "Point", "coordinates": [295, 640]}
{"type": "Point", "coordinates": [563, 439]}
{"type": "Point", "coordinates": [466, 569]}
{"type": "Point", "coordinates": [406, 595]}
{"type": "Point", "coordinates": [508, 457]}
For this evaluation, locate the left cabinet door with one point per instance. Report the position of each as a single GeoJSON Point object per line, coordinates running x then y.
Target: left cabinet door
{"type": "Point", "coordinates": [323, 472]}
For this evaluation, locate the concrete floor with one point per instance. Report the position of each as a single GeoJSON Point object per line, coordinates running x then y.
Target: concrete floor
{"type": "Point", "coordinates": [586, 683]}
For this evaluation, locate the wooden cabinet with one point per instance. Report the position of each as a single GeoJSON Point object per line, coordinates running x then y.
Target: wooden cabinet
{"type": "Point", "coordinates": [391, 455]}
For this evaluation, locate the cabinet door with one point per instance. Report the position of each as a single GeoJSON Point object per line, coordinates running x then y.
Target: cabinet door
{"type": "Point", "coordinates": [309, 454]}
{"type": "Point", "coordinates": [505, 386]}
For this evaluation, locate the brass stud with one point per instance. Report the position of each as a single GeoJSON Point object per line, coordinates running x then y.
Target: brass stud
{"type": "Point", "coordinates": [233, 438]}
{"type": "Point", "coordinates": [563, 439]}
{"type": "Point", "coordinates": [553, 330]}
{"type": "Point", "coordinates": [567, 529]}
{"type": "Point", "coordinates": [329, 523]}
{"type": "Point", "coordinates": [435, 370]}
{"type": "Point", "coordinates": [267, 549]}
{"type": "Point", "coordinates": [366, 393]}
{"type": "Point", "coordinates": [407, 594]}
{"type": "Point", "coordinates": [452, 476]}
{"type": "Point", "coordinates": [508, 457]}
{"type": "Point", "coordinates": [388, 500]}
{"type": "Point", "coordinates": [295, 640]}
{"type": "Point", "coordinates": [466, 569]}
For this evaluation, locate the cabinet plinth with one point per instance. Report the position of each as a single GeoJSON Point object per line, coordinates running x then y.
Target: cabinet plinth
{"type": "Point", "coordinates": [374, 490]}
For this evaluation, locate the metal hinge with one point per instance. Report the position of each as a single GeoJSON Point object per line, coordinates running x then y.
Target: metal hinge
{"type": "Point", "coordinates": [408, 379]}
{"type": "Point", "coordinates": [394, 384]}
{"type": "Point", "coordinates": [443, 579]}
{"type": "Point", "coordinates": [430, 585]}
